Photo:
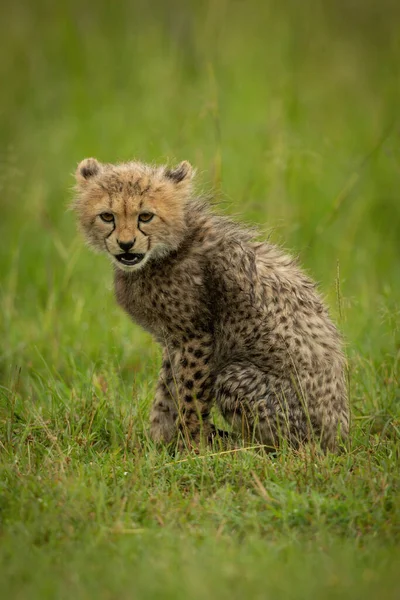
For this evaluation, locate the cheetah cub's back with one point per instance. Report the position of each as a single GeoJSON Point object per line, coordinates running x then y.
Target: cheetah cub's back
{"type": "Point", "coordinates": [239, 323]}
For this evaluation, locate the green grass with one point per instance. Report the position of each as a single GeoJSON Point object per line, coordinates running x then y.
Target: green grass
{"type": "Point", "coordinates": [288, 111]}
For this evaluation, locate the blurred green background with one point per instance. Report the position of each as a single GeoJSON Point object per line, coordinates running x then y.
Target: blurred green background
{"type": "Point", "coordinates": [289, 112]}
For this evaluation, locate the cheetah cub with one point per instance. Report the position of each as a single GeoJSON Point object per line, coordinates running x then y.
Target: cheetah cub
{"type": "Point", "coordinates": [239, 323]}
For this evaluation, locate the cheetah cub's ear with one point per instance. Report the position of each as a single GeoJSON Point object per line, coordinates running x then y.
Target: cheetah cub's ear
{"type": "Point", "coordinates": [183, 172]}
{"type": "Point", "coordinates": [87, 169]}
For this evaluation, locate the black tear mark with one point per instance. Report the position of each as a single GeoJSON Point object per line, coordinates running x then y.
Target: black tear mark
{"type": "Point", "coordinates": [141, 231]}
{"type": "Point", "coordinates": [108, 235]}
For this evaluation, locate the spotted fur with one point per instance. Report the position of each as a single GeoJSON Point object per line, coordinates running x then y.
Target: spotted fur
{"type": "Point", "coordinates": [239, 323]}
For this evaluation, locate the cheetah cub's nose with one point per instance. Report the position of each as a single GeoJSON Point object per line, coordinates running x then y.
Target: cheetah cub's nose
{"type": "Point", "coordinates": [126, 246]}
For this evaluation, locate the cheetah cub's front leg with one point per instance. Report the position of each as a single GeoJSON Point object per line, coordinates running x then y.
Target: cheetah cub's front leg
{"type": "Point", "coordinates": [195, 385]}
{"type": "Point", "coordinates": [184, 395]}
{"type": "Point", "coordinates": [164, 411]}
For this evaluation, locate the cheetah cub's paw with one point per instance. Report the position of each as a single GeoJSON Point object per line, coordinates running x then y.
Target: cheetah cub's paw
{"type": "Point", "coordinates": [162, 429]}
{"type": "Point", "coordinates": [209, 437]}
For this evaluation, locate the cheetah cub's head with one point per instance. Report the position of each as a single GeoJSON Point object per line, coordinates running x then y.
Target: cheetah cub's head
{"type": "Point", "coordinates": [132, 211]}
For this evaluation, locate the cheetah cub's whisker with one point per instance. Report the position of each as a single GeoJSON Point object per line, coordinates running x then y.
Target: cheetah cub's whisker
{"type": "Point", "coordinates": [239, 323]}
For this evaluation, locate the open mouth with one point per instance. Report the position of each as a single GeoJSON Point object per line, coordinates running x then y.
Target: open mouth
{"type": "Point", "coordinates": [129, 258]}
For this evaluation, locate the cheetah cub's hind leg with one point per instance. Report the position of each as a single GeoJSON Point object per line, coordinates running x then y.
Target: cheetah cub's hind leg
{"type": "Point", "coordinates": [250, 402]}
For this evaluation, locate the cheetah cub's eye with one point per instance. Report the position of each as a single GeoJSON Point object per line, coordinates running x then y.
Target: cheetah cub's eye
{"type": "Point", "coordinates": [146, 217]}
{"type": "Point", "coordinates": [107, 217]}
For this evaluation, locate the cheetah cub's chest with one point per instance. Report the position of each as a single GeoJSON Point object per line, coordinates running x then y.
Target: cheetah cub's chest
{"type": "Point", "coordinates": [167, 301]}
